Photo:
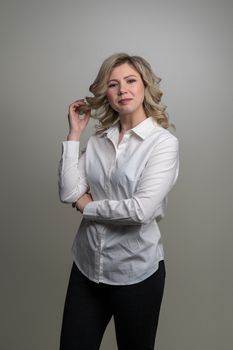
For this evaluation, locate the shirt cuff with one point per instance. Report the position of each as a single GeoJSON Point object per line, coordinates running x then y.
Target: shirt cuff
{"type": "Point", "coordinates": [90, 210]}
{"type": "Point", "coordinates": [70, 149]}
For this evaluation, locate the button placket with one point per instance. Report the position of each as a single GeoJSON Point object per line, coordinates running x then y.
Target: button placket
{"type": "Point", "coordinates": [97, 265]}
{"type": "Point", "coordinates": [101, 258]}
{"type": "Point", "coordinates": [110, 167]}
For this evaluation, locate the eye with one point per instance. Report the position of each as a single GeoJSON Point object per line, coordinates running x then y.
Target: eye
{"type": "Point", "coordinates": [131, 81]}
{"type": "Point", "coordinates": [112, 85]}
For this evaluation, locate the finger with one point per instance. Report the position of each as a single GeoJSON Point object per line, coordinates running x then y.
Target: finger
{"type": "Point", "coordinates": [78, 103]}
{"type": "Point", "coordinates": [85, 116]}
{"type": "Point", "coordinates": [79, 108]}
{"type": "Point", "coordinates": [75, 107]}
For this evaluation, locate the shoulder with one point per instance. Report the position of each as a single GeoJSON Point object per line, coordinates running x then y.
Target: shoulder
{"type": "Point", "coordinates": [161, 136]}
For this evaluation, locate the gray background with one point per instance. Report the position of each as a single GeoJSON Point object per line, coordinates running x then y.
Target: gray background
{"type": "Point", "coordinates": [50, 53]}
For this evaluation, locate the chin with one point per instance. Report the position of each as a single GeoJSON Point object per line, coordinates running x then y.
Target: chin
{"type": "Point", "coordinates": [123, 111]}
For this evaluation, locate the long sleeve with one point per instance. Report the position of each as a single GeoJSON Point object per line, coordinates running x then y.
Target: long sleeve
{"type": "Point", "coordinates": [156, 181]}
{"type": "Point", "coordinates": [72, 182]}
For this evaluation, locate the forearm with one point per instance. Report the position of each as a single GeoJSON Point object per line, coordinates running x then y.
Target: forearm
{"type": "Point", "coordinates": [72, 182]}
{"type": "Point", "coordinates": [74, 136]}
{"type": "Point", "coordinates": [137, 210]}
{"type": "Point", "coordinates": [125, 212]}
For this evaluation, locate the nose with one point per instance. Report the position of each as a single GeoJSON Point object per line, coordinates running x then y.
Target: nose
{"type": "Point", "coordinates": [122, 89]}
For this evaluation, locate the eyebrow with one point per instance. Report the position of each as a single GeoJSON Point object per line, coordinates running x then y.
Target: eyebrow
{"type": "Point", "coordinates": [128, 76]}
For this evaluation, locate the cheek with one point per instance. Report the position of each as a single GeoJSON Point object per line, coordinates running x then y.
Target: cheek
{"type": "Point", "coordinates": [143, 92]}
{"type": "Point", "coordinates": [110, 98]}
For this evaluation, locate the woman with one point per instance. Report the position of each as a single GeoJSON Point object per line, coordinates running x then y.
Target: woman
{"type": "Point", "coordinates": [119, 184]}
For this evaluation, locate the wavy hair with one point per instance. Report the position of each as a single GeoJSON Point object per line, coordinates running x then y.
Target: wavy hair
{"type": "Point", "coordinates": [104, 113]}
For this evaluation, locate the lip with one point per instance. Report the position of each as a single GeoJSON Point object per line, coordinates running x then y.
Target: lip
{"type": "Point", "coordinates": [125, 101]}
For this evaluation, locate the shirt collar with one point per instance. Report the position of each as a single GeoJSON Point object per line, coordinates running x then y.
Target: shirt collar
{"type": "Point", "coordinates": [143, 129]}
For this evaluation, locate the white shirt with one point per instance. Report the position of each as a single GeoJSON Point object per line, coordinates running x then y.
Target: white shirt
{"type": "Point", "coordinates": [119, 241]}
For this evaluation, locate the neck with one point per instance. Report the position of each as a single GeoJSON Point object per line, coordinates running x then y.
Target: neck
{"type": "Point", "coordinates": [128, 122]}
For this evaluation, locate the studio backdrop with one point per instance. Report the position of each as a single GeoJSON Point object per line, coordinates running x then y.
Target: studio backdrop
{"type": "Point", "coordinates": [50, 53]}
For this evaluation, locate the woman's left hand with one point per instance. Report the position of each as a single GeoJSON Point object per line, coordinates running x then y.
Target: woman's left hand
{"type": "Point", "coordinates": [82, 202]}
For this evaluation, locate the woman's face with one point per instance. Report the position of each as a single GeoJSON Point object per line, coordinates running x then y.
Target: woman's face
{"type": "Point", "coordinates": [125, 90]}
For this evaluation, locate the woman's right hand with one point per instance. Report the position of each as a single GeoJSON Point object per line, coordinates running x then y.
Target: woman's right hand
{"type": "Point", "coordinates": [76, 124]}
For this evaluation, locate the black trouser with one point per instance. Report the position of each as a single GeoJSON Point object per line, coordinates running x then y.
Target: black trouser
{"type": "Point", "coordinates": [89, 307]}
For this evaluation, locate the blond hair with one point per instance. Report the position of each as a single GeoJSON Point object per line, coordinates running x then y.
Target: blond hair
{"type": "Point", "coordinates": [104, 113]}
